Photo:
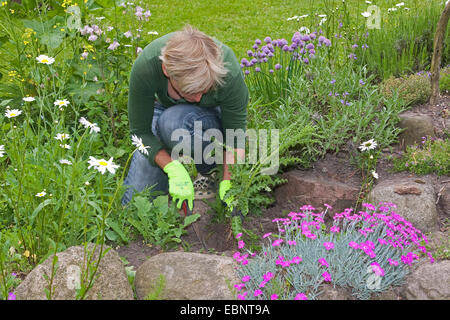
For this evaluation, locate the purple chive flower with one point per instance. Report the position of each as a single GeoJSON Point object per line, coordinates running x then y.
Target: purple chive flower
{"type": "Point", "coordinates": [354, 46]}
{"type": "Point", "coordinates": [257, 42]}
{"type": "Point", "coordinates": [306, 61]}
{"type": "Point", "coordinates": [257, 69]}
{"type": "Point", "coordinates": [250, 53]}
{"type": "Point", "coordinates": [327, 42]}
{"type": "Point", "coordinates": [255, 46]}
{"type": "Point", "coordinates": [277, 66]}
{"type": "Point", "coordinates": [285, 48]}
{"type": "Point", "coordinates": [364, 46]}
{"type": "Point", "coordinates": [247, 72]}
{"type": "Point", "coordinates": [306, 37]}
{"type": "Point", "coordinates": [333, 81]}
{"type": "Point", "coordinates": [267, 40]}
{"type": "Point", "coordinates": [309, 46]}
{"type": "Point", "coordinates": [312, 35]}
{"type": "Point", "coordinates": [321, 39]}
{"type": "Point", "coordinates": [114, 45]}
{"type": "Point", "coordinates": [361, 82]}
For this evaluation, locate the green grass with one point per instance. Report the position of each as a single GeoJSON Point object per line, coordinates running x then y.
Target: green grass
{"type": "Point", "coordinates": [238, 23]}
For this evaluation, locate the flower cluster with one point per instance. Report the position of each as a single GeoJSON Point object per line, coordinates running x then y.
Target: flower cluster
{"type": "Point", "coordinates": [301, 48]}
{"type": "Point", "coordinates": [305, 255]}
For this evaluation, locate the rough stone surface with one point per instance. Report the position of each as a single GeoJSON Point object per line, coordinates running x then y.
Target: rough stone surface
{"type": "Point", "coordinates": [419, 209]}
{"type": "Point", "coordinates": [308, 187]}
{"type": "Point", "coordinates": [444, 199]}
{"type": "Point", "coordinates": [429, 282]}
{"type": "Point", "coordinates": [416, 126]}
{"type": "Point", "coordinates": [111, 281]}
{"type": "Point", "coordinates": [188, 276]}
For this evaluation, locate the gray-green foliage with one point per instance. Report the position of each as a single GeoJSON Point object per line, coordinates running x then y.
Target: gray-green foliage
{"type": "Point", "coordinates": [349, 267]}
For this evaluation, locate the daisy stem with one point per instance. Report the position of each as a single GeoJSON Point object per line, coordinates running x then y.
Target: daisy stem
{"type": "Point", "coordinates": [102, 228]}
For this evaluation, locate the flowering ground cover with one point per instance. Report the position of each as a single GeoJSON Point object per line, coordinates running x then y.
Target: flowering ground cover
{"type": "Point", "coordinates": [313, 71]}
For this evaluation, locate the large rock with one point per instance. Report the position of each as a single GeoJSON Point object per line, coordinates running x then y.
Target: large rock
{"type": "Point", "coordinates": [111, 282]}
{"type": "Point", "coordinates": [429, 282]}
{"type": "Point", "coordinates": [310, 187]}
{"type": "Point", "coordinates": [415, 200]}
{"type": "Point", "coordinates": [187, 276]}
{"type": "Point", "coordinates": [416, 126]}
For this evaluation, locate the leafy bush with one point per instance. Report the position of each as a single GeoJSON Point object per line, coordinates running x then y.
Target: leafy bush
{"type": "Point", "coordinates": [413, 89]}
{"type": "Point", "coordinates": [444, 81]}
{"type": "Point", "coordinates": [429, 157]}
{"type": "Point", "coordinates": [368, 252]}
{"type": "Point", "coordinates": [157, 222]}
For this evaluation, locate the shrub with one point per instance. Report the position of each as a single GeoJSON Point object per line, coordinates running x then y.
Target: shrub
{"type": "Point", "coordinates": [413, 89]}
{"type": "Point", "coordinates": [367, 252]}
{"type": "Point", "coordinates": [444, 81]}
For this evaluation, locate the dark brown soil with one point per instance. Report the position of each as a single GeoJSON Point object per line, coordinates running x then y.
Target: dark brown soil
{"type": "Point", "coordinates": [218, 237]}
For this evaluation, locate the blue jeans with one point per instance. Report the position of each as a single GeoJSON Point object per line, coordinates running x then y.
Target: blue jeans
{"type": "Point", "coordinates": [141, 173]}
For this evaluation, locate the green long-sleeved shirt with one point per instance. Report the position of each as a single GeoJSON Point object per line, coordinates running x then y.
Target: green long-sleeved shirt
{"type": "Point", "coordinates": [148, 82]}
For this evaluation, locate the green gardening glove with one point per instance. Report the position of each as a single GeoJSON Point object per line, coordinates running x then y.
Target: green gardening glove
{"type": "Point", "coordinates": [180, 184]}
{"type": "Point", "coordinates": [224, 186]}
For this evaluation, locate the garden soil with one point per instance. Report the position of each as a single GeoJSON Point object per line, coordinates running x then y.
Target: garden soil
{"type": "Point", "coordinates": [218, 236]}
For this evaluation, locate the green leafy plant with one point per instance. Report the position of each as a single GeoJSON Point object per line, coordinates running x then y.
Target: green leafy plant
{"type": "Point", "coordinates": [156, 292]}
{"type": "Point", "coordinates": [431, 156]}
{"type": "Point", "coordinates": [157, 222]}
{"type": "Point", "coordinates": [413, 89]}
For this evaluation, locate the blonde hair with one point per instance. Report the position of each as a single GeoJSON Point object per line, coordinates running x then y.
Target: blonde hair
{"type": "Point", "coordinates": [194, 61]}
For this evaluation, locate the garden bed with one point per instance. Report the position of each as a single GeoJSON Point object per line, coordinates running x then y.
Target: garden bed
{"type": "Point", "coordinates": [219, 238]}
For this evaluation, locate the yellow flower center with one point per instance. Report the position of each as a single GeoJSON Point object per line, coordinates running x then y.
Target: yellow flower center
{"type": "Point", "coordinates": [103, 163]}
{"type": "Point", "coordinates": [44, 60]}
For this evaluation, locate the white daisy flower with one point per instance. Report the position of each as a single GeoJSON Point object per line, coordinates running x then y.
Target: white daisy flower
{"type": "Point", "coordinates": [366, 14]}
{"type": "Point", "coordinates": [102, 165]}
{"type": "Point", "coordinates": [62, 136]}
{"type": "Point", "coordinates": [374, 174]}
{"type": "Point", "coordinates": [2, 150]}
{"type": "Point", "coordinates": [93, 126]}
{"type": "Point", "coordinates": [45, 59]}
{"type": "Point", "coordinates": [12, 113]}
{"type": "Point", "coordinates": [400, 4]}
{"type": "Point", "coordinates": [65, 146]}
{"type": "Point", "coordinates": [61, 103]}
{"type": "Point", "coordinates": [153, 33]}
{"type": "Point", "coordinates": [304, 29]}
{"type": "Point", "coordinates": [322, 15]}
{"type": "Point", "coordinates": [41, 194]}
{"type": "Point", "coordinates": [369, 2]}
{"type": "Point", "coordinates": [28, 99]}
{"type": "Point", "coordinates": [368, 145]}
{"type": "Point", "coordinates": [65, 161]}
{"type": "Point", "coordinates": [137, 142]}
